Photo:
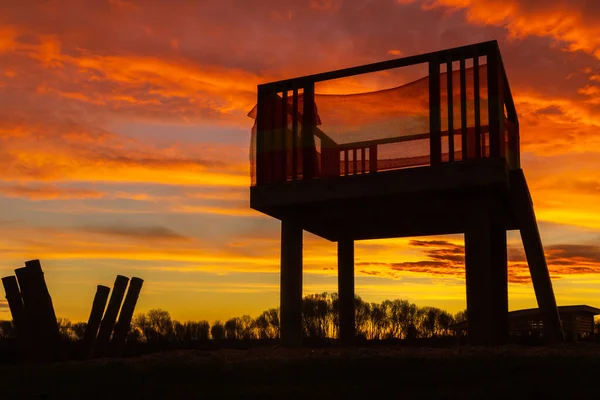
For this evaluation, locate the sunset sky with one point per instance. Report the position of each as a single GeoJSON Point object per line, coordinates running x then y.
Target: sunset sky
{"type": "Point", "coordinates": [124, 144]}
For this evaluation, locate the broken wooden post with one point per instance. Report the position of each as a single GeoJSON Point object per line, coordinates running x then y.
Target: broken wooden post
{"type": "Point", "coordinates": [110, 316]}
{"type": "Point", "coordinates": [91, 329]}
{"type": "Point", "coordinates": [17, 310]}
{"type": "Point", "coordinates": [122, 327]}
{"type": "Point", "coordinates": [39, 310]}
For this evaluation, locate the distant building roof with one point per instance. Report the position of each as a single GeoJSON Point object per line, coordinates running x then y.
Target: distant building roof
{"type": "Point", "coordinates": [561, 309]}
{"type": "Point", "coordinates": [535, 312]}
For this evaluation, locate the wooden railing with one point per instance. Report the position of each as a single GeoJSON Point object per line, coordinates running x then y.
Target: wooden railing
{"type": "Point", "coordinates": [290, 146]}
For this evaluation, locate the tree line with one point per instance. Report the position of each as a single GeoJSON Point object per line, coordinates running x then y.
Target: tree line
{"type": "Point", "coordinates": [390, 319]}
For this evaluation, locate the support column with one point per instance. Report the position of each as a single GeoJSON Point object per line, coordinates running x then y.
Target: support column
{"type": "Point", "coordinates": [17, 310]}
{"type": "Point", "coordinates": [124, 323]}
{"type": "Point", "coordinates": [110, 316]}
{"type": "Point", "coordinates": [291, 283]}
{"type": "Point", "coordinates": [534, 251]}
{"type": "Point", "coordinates": [91, 330]}
{"type": "Point", "coordinates": [346, 291]}
{"type": "Point", "coordinates": [486, 274]}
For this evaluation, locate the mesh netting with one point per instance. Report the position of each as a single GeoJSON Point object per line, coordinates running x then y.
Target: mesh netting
{"type": "Point", "coordinates": [358, 133]}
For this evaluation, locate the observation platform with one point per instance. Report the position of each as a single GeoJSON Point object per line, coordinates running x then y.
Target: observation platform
{"type": "Point", "coordinates": [437, 155]}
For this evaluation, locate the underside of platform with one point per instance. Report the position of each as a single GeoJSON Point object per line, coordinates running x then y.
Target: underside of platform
{"type": "Point", "coordinates": [403, 203]}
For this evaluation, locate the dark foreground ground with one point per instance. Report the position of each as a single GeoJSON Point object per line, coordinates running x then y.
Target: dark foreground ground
{"type": "Point", "coordinates": [508, 372]}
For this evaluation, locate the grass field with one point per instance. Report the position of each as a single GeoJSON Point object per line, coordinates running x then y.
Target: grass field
{"type": "Point", "coordinates": [506, 372]}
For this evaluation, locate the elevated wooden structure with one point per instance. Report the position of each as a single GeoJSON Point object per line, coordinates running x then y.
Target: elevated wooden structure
{"type": "Point", "coordinates": [466, 179]}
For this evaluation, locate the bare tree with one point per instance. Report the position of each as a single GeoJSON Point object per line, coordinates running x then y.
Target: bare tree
{"type": "Point", "coordinates": [7, 330]}
{"type": "Point", "coordinates": [246, 327]}
{"type": "Point", "coordinates": [315, 312]}
{"type": "Point", "coordinates": [267, 324]}
{"type": "Point", "coordinates": [232, 329]}
{"type": "Point", "coordinates": [64, 328]}
{"type": "Point", "coordinates": [200, 330]}
{"type": "Point", "coordinates": [402, 314]}
{"type": "Point", "coordinates": [444, 321]}
{"type": "Point", "coordinates": [217, 331]}
{"type": "Point", "coordinates": [141, 324]}
{"type": "Point", "coordinates": [78, 330]}
{"type": "Point", "coordinates": [160, 324]}
{"type": "Point", "coordinates": [361, 320]}
{"type": "Point", "coordinates": [378, 321]}
{"type": "Point", "coordinates": [155, 326]}
{"type": "Point", "coordinates": [179, 332]}
{"type": "Point", "coordinates": [427, 325]}
{"type": "Point", "coordinates": [460, 316]}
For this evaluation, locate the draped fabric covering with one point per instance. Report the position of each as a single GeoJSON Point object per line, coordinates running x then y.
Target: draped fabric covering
{"type": "Point", "coordinates": [346, 127]}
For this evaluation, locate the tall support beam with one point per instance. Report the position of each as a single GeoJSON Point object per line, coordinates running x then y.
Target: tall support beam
{"type": "Point", "coordinates": [534, 251]}
{"type": "Point", "coordinates": [486, 273]}
{"type": "Point", "coordinates": [463, 108]}
{"type": "Point", "coordinates": [91, 330]}
{"type": "Point", "coordinates": [261, 148]}
{"type": "Point", "coordinates": [40, 311]}
{"type": "Point", "coordinates": [495, 102]}
{"type": "Point", "coordinates": [17, 310]}
{"type": "Point", "coordinates": [291, 283]}
{"type": "Point", "coordinates": [125, 316]}
{"type": "Point", "coordinates": [346, 290]}
{"type": "Point", "coordinates": [435, 113]}
{"type": "Point", "coordinates": [309, 156]}
{"type": "Point", "coordinates": [110, 316]}
{"type": "Point", "coordinates": [450, 98]}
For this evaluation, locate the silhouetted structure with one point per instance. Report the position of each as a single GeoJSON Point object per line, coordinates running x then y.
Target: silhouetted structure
{"type": "Point", "coordinates": [110, 316]}
{"type": "Point", "coordinates": [17, 310]}
{"type": "Point", "coordinates": [91, 330]}
{"type": "Point", "coordinates": [39, 311]}
{"type": "Point", "coordinates": [124, 322]}
{"type": "Point", "coordinates": [577, 322]}
{"type": "Point", "coordinates": [390, 163]}
{"type": "Point", "coordinates": [33, 315]}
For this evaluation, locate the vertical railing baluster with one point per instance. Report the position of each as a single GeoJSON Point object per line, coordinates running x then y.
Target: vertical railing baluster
{"type": "Point", "coordinates": [477, 104]}
{"type": "Point", "coordinates": [495, 108]}
{"type": "Point", "coordinates": [435, 113]}
{"type": "Point", "coordinates": [260, 158]}
{"type": "Point", "coordinates": [346, 162]}
{"type": "Point", "coordinates": [503, 139]}
{"type": "Point", "coordinates": [308, 137]}
{"type": "Point", "coordinates": [373, 159]}
{"type": "Point", "coordinates": [354, 162]}
{"type": "Point", "coordinates": [284, 132]}
{"type": "Point", "coordinates": [294, 132]}
{"type": "Point", "coordinates": [463, 107]}
{"type": "Point", "coordinates": [275, 139]}
{"type": "Point", "coordinates": [363, 161]}
{"type": "Point", "coordinates": [450, 96]}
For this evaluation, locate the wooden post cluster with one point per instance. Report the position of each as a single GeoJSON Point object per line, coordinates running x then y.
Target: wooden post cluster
{"type": "Point", "coordinates": [35, 321]}
{"type": "Point", "coordinates": [33, 313]}
{"type": "Point", "coordinates": [105, 335]}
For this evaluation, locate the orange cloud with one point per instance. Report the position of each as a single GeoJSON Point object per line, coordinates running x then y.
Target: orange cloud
{"type": "Point", "coordinates": [120, 82]}
{"type": "Point", "coordinates": [48, 192]}
{"type": "Point", "coordinates": [326, 5]}
{"type": "Point", "coordinates": [444, 258]}
{"type": "Point", "coordinates": [568, 22]}
{"type": "Point", "coordinates": [54, 151]}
